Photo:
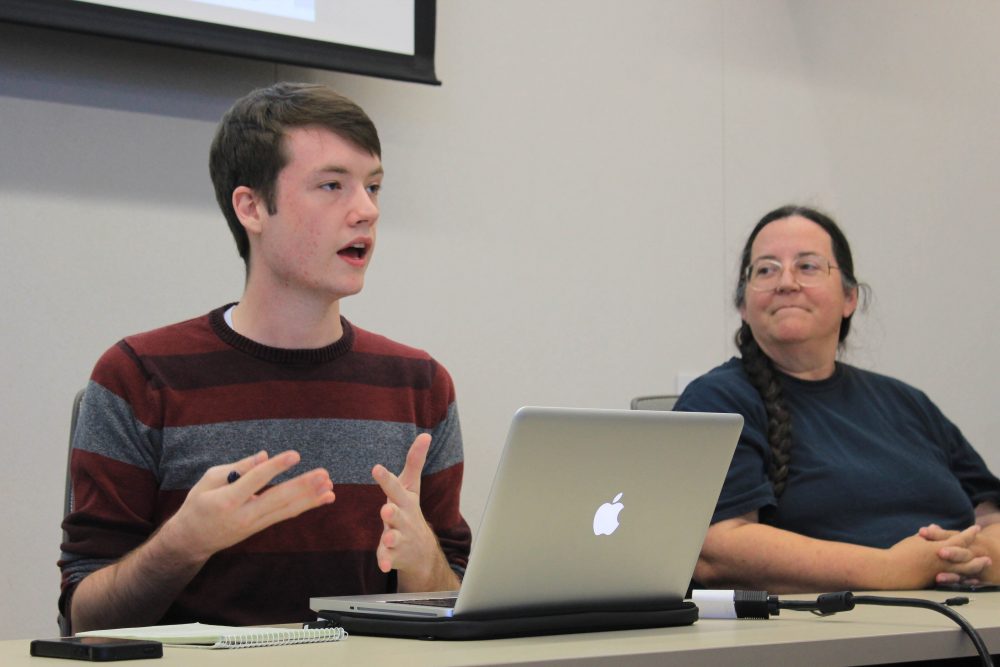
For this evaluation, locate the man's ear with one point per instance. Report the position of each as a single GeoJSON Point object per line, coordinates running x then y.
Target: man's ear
{"type": "Point", "coordinates": [250, 209]}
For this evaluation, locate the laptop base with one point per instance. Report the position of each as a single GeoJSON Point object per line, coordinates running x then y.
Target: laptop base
{"type": "Point", "coordinates": [685, 613]}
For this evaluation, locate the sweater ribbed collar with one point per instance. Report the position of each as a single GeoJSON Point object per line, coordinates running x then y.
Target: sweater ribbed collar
{"type": "Point", "coordinates": [280, 355]}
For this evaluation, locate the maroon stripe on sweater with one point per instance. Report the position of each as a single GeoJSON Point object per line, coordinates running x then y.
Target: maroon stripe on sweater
{"type": "Point", "coordinates": [193, 336]}
{"type": "Point", "coordinates": [104, 525]}
{"type": "Point", "coordinates": [228, 385]}
{"type": "Point", "coordinates": [437, 499]}
{"type": "Point", "coordinates": [231, 591]}
{"type": "Point", "coordinates": [278, 399]}
{"type": "Point", "coordinates": [121, 356]}
{"type": "Point", "coordinates": [229, 367]}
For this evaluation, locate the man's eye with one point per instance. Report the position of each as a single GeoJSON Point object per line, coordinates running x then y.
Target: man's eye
{"type": "Point", "coordinates": [333, 185]}
{"type": "Point", "coordinates": [374, 188]}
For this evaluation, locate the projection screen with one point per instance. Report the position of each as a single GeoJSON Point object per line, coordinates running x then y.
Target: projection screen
{"type": "Point", "coordinates": [392, 39]}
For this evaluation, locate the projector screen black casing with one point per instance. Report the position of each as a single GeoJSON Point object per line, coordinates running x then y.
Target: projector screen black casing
{"type": "Point", "coordinates": [198, 35]}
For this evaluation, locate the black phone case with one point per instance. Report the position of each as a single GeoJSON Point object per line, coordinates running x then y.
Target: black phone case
{"type": "Point", "coordinates": [968, 588]}
{"type": "Point", "coordinates": [96, 649]}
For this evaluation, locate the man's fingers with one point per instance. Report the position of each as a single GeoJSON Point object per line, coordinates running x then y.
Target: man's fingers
{"type": "Point", "coordinates": [386, 554]}
{"type": "Point", "coordinates": [291, 498]}
{"type": "Point", "coordinates": [257, 476]}
{"type": "Point", "coordinates": [387, 513]}
{"type": "Point", "coordinates": [219, 475]}
{"type": "Point", "coordinates": [245, 465]}
{"type": "Point", "coordinates": [305, 488]}
{"type": "Point", "coordinates": [396, 488]}
{"type": "Point", "coordinates": [383, 558]}
{"type": "Point", "coordinates": [403, 534]}
{"type": "Point", "coordinates": [415, 459]}
{"type": "Point", "coordinates": [390, 485]}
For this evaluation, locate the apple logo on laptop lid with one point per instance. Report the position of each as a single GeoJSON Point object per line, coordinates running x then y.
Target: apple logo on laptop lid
{"type": "Point", "coordinates": [606, 517]}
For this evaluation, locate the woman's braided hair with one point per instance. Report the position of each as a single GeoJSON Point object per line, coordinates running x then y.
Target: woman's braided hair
{"type": "Point", "coordinates": [759, 367]}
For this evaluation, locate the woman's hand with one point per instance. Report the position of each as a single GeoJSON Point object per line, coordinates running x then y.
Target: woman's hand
{"type": "Point", "coordinates": [981, 552]}
{"type": "Point", "coordinates": [935, 555]}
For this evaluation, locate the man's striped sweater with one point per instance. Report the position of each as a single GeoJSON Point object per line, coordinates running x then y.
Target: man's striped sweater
{"type": "Point", "coordinates": [164, 406]}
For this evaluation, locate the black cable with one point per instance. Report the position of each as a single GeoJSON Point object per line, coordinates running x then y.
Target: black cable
{"type": "Point", "coordinates": [760, 605]}
{"type": "Point", "coordinates": [831, 603]}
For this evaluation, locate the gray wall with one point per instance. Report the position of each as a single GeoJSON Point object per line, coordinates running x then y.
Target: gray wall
{"type": "Point", "coordinates": [561, 218]}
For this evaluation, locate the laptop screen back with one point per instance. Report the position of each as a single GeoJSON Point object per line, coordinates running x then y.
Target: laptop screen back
{"type": "Point", "coordinates": [597, 509]}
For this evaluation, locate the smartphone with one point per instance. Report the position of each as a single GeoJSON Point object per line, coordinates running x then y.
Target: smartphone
{"type": "Point", "coordinates": [968, 588]}
{"type": "Point", "coordinates": [98, 649]}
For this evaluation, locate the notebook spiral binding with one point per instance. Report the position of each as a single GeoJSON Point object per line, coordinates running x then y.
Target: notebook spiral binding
{"type": "Point", "coordinates": [273, 637]}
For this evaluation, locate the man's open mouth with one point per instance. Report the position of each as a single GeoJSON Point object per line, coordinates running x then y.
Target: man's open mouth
{"type": "Point", "coordinates": [355, 250]}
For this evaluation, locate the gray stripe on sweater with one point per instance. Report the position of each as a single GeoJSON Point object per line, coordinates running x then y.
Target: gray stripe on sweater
{"type": "Point", "coordinates": [346, 448]}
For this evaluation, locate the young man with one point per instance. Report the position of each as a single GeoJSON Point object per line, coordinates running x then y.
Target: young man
{"type": "Point", "coordinates": [179, 512]}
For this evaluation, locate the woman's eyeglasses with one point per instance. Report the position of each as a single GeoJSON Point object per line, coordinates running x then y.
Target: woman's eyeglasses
{"type": "Point", "coordinates": [764, 275]}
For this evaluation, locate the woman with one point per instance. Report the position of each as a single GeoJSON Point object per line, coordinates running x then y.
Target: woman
{"type": "Point", "coordinates": [842, 479]}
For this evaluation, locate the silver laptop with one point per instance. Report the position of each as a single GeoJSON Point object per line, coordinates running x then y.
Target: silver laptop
{"type": "Point", "coordinates": [590, 509]}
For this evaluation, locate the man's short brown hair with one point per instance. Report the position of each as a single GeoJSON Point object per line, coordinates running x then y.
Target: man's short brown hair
{"type": "Point", "coordinates": [248, 148]}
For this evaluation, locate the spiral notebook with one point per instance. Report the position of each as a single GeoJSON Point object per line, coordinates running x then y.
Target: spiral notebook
{"type": "Point", "coordinates": [201, 635]}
